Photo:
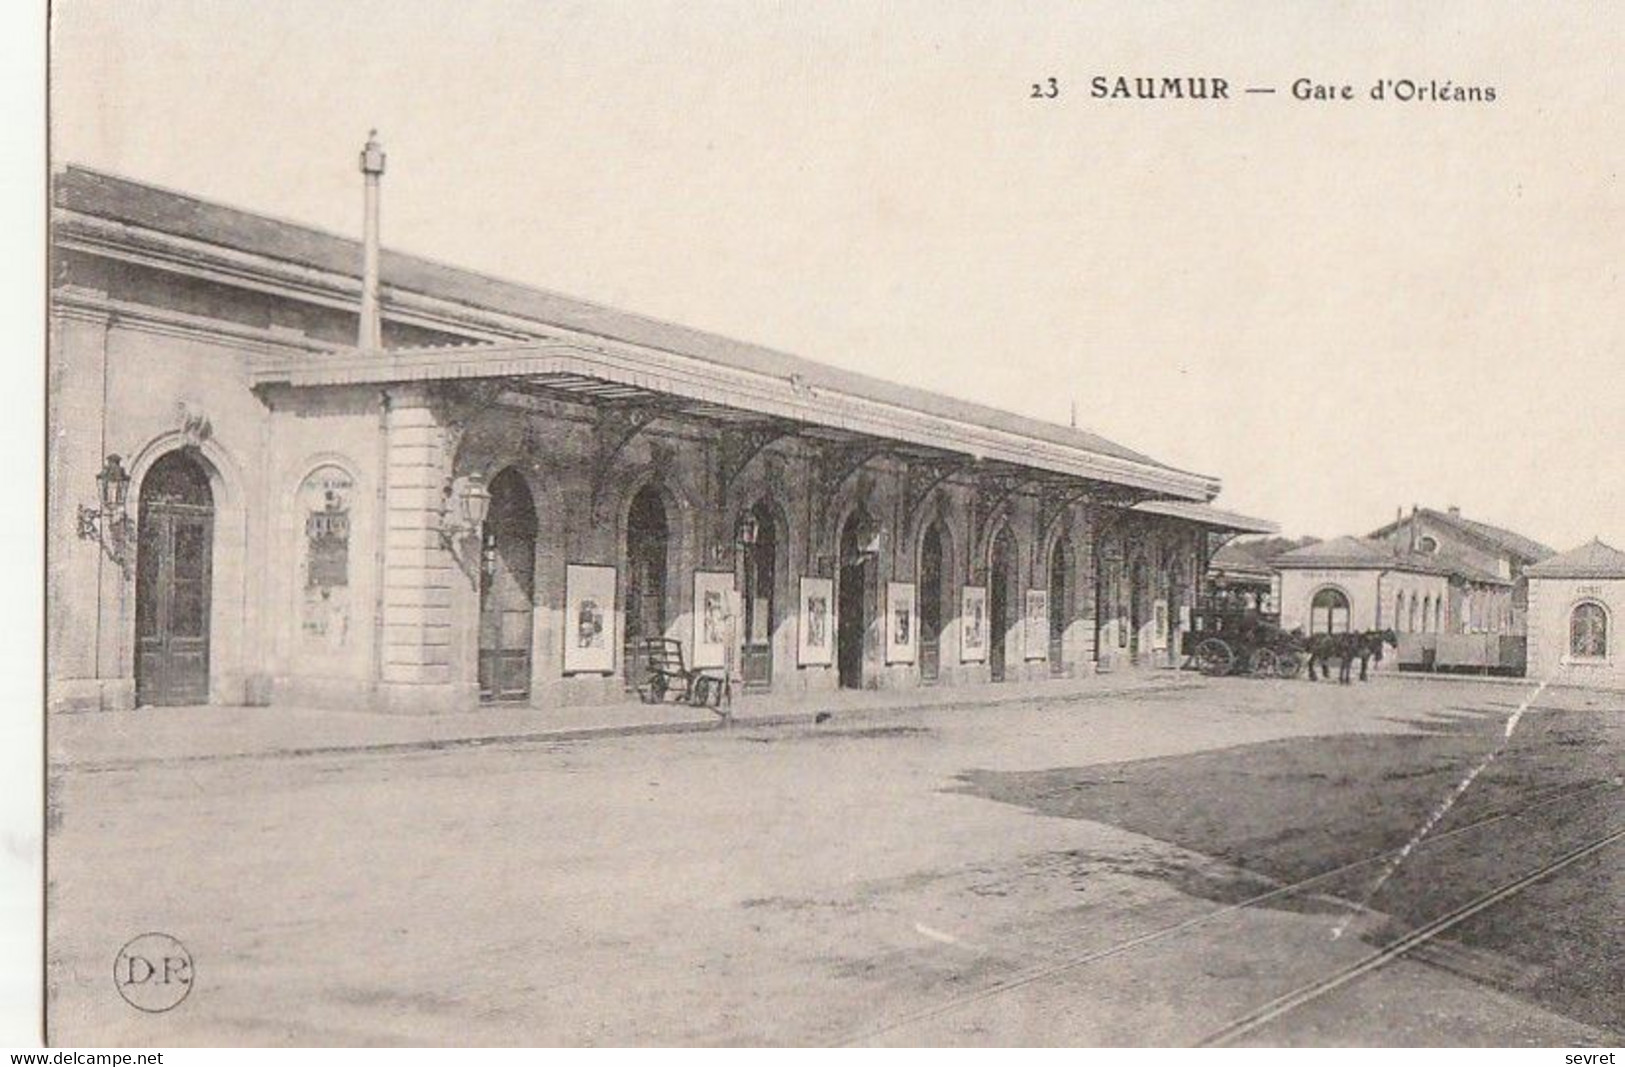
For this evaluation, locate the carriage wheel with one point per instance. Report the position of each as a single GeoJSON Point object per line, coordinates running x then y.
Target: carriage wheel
{"type": "Point", "coordinates": [1214, 658]}
{"type": "Point", "coordinates": [1288, 665]}
{"type": "Point", "coordinates": [1264, 662]}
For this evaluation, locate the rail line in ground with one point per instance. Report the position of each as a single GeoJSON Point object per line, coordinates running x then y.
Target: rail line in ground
{"type": "Point", "coordinates": [1009, 985]}
{"type": "Point", "coordinates": [1312, 991]}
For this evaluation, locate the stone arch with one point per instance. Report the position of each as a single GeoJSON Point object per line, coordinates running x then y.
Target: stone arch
{"type": "Point", "coordinates": [766, 637]}
{"type": "Point", "coordinates": [857, 497]}
{"type": "Point", "coordinates": [1342, 594]}
{"type": "Point", "coordinates": [1005, 601]}
{"type": "Point", "coordinates": [936, 615]}
{"type": "Point", "coordinates": [229, 661]}
{"type": "Point", "coordinates": [678, 562]}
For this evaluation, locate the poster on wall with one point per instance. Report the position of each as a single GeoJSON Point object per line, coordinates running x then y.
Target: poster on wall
{"type": "Point", "coordinates": [1036, 638]}
{"type": "Point", "coordinates": [324, 578]}
{"type": "Point", "coordinates": [816, 623]}
{"type": "Point", "coordinates": [589, 630]}
{"type": "Point", "coordinates": [973, 624]}
{"type": "Point", "coordinates": [713, 618]}
{"type": "Point", "coordinates": [1159, 628]}
{"type": "Point", "coordinates": [902, 622]}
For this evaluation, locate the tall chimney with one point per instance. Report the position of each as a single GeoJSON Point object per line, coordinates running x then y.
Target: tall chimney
{"type": "Point", "coordinates": [371, 335]}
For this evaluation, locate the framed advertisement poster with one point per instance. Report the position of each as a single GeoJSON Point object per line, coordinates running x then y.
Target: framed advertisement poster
{"type": "Point", "coordinates": [1035, 639]}
{"type": "Point", "coordinates": [902, 623]}
{"type": "Point", "coordinates": [973, 624]}
{"type": "Point", "coordinates": [713, 618]}
{"type": "Point", "coordinates": [1159, 629]}
{"type": "Point", "coordinates": [815, 624]}
{"type": "Point", "coordinates": [589, 630]}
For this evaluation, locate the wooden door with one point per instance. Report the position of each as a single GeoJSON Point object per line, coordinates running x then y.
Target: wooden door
{"type": "Point", "coordinates": [174, 568]}
{"type": "Point", "coordinates": [507, 591]}
{"type": "Point", "coordinates": [998, 598]}
{"type": "Point", "coordinates": [1059, 559]}
{"type": "Point", "coordinates": [931, 605]}
{"type": "Point", "coordinates": [647, 541]}
{"type": "Point", "coordinates": [761, 575]}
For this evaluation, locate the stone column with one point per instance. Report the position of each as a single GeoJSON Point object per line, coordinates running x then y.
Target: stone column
{"type": "Point", "coordinates": [416, 672]}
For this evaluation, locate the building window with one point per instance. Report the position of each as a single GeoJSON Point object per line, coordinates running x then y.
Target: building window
{"type": "Point", "coordinates": [1329, 612]}
{"type": "Point", "coordinates": [1588, 631]}
{"type": "Point", "coordinates": [1399, 611]}
{"type": "Point", "coordinates": [1428, 545]}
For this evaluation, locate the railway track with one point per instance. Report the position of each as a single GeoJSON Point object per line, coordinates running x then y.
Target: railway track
{"type": "Point", "coordinates": [1312, 991]}
{"type": "Point", "coordinates": [1305, 994]}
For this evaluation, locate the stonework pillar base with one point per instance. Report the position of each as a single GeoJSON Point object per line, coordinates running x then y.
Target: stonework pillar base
{"type": "Point", "coordinates": [405, 698]}
{"type": "Point", "coordinates": [90, 694]}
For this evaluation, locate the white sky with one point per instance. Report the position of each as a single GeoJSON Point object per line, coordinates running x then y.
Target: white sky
{"type": "Point", "coordinates": [1337, 309]}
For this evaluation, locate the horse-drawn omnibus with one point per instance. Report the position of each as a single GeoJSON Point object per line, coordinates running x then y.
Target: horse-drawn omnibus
{"type": "Point", "coordinates": [1227, 638]}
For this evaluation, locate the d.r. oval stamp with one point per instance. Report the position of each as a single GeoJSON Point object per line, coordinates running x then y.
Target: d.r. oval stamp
{"type": "Point", "coordinates": [153, 972]}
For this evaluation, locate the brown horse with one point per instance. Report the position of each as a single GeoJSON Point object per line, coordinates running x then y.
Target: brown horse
{"type": "Point", "coordinates": [1346, 648]}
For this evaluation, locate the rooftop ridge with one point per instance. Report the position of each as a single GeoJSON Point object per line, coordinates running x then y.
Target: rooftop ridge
{"type": "Point", "coordinates": [75, 188]}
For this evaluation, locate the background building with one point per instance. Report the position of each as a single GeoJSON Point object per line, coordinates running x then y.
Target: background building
{"type": "Point", "coordinates": [306, 469]}
{"type": "Point", "coordinates": [1452, 589]}
{"type": "Point", "coordinates": [1575, 601]}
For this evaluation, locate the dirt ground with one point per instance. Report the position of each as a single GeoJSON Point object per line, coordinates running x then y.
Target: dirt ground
{"type": "Point", "coordinates": [1063, 872]}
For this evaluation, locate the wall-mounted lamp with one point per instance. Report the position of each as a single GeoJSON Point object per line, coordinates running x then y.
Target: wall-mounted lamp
{"type": "Point", "coordinates": [867, 538]}
{"type": "Point", "coordinates": [463, 508]}
{"type": "Point", "coordinates": [464, 504]}
{"type": "Point", "coordinates": [749, 531]}
{"type": "Point", "coordinates": [108, 524]}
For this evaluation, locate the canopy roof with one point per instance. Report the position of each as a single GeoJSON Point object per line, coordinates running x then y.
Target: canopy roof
{"type": "Point", "coordinates": [1206, 515]}
{"type": "Point", "coordinates": [566, 347]}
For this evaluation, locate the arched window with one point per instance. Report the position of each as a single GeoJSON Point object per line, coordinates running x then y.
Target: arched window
{"type": "Point", "coordinates": [1427, 544]}
{"type": "Point", "coordinates": [1413, 626]}
{"type": "Point", "coordinates": [1399, 611]}
{"type": "Point", "coordinates": [1438, 615]}
{"type": "Point", "coordinates": [1329, 612]}
{"type": "Point", "coordinates": [1427, 612]}
{"type": "Point", "coordinates": [1588, 631]}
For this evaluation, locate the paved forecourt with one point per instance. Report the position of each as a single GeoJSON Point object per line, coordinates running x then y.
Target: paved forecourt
{"type": "Point", "coordinates": [1059, 869]}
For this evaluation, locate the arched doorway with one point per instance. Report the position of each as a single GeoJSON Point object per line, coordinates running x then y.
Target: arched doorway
{"type": "Point", "coordinates": [507, 590]}
{"type": "Point", "coordinates": [1329, 612]}
{"type": "Point", "coordinates": [1108, 577]}
{"type": "Point", "coordinates": [1173, 628]}
{"type": "Point", "coordinates": [852, 599]}
{"type": "Point", "coordinates": [1001, 595]}
{"type": "Point", "coordinates": [931, 608]}
{"type": "Point", "coordinates": [174, 568]}
{"type": "Point", "coordinates": [1139, 611]}
{"type": "Point", "coordinates": [1060, 560]}
{"type": "Point", "coordinates": [648, 538]}
{"type": "Point", "coordinates": [760, 564]}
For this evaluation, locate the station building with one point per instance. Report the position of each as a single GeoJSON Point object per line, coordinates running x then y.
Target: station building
{"type": "Point", "coordinates": [287, 467]}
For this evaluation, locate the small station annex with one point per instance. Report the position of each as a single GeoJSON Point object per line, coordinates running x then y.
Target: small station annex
{"type": "Point", "coordinates": [289, 467]}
